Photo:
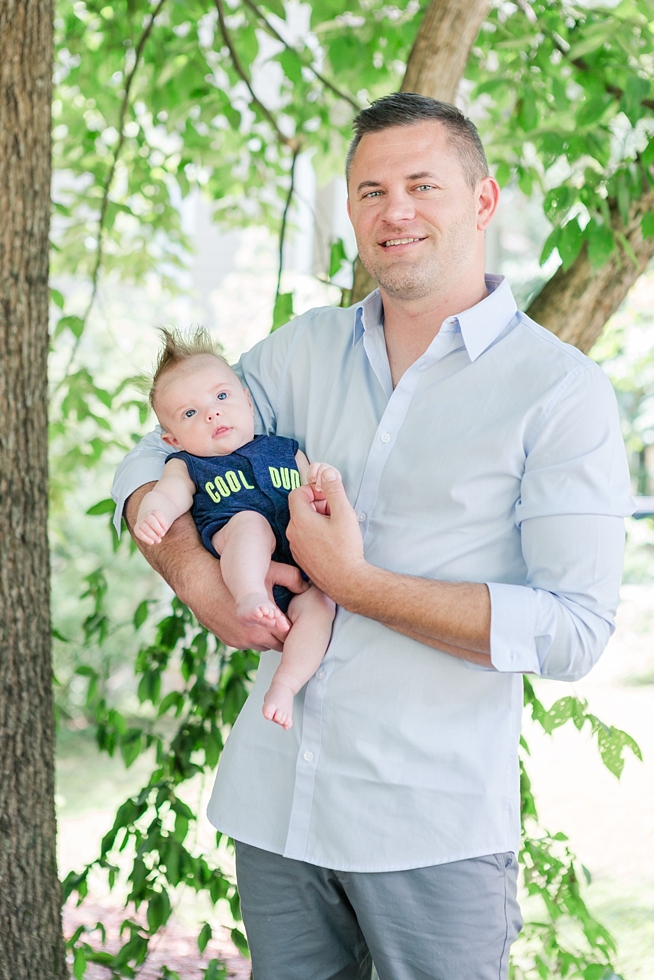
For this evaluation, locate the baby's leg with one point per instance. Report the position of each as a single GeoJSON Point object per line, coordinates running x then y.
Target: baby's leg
{"type": "Point", "coordinates": [311, 615]}
{"type": "Point", "coordinates": [245, 545]}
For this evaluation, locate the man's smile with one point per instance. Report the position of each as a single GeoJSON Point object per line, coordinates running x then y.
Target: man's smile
{"type": "Point", "coordinates": [392, 242]}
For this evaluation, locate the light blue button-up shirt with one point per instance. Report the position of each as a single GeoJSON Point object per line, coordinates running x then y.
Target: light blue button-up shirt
{"type": "Point", "coordinates": [497, 458]}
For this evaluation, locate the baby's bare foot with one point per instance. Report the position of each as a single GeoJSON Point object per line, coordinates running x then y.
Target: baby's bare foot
{"type": "Point", "coordinates": [278, 705]}
{"type": "Point", "coordinates": [258, 610]}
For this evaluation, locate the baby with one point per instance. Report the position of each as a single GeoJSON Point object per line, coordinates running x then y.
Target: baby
{"type": "Point", "coordinates": [236, 485]}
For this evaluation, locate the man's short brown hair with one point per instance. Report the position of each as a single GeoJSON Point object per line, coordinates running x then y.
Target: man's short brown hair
{"type": "Point", "coordinates": [409, 108]}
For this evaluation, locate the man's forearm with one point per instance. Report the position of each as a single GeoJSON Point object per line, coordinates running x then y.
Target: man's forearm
{"type": "Point", "coordinates": [454, 617]}
{"type": "Point", "coordinates": [194, 575]}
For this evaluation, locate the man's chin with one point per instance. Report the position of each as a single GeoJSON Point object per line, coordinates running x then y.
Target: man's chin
{"type": "Point", "coordinates": [404, 287]}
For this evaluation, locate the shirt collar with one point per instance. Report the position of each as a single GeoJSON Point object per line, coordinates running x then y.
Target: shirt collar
{"type": "Point", "coordinates": [480, 325]}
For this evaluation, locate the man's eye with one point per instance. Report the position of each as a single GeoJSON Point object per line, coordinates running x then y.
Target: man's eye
{"type": "Point", "coordinates": [221, 396]}
{"type": "Point", "coordinates": [373, 194]}
{"type": "Point", "coordinates": [189, 414]}
{"type": "Point", "coordinates": [425, 187]}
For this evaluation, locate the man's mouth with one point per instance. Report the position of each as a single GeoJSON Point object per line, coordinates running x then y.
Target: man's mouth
{"type": "Point", "coordinates": [400, 241]}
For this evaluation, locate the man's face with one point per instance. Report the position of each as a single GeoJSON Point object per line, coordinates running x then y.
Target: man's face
{"type": "Point", "coordinates": [414, 216]}
{"type": "Point", "coordinates": [204, 408]}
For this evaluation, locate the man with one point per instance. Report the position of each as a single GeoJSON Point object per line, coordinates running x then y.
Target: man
{"type": "Point", "coordinates": [477, 535]}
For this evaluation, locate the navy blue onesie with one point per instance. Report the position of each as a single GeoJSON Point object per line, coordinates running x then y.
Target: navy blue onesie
{"type": "Point", "coordinates": [259, 476]}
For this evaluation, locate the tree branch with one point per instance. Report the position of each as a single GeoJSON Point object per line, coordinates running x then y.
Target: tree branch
{"type": "Point", "coordinates": [576, 305]}
{"type": "Point", "coordinates": [321, 78]}
{"type": "Point", "coordinates": [290, 141]}
{"type": "Point", "coordinates": [95, 275]}
{"type": "Point", "coordinates": [282, 231]}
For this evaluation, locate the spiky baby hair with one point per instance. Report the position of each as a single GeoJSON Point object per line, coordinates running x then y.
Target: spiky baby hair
{"type": "Point", "coordinates": [178, 346]}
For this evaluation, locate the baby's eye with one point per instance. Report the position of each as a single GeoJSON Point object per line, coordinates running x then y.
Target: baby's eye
{"type": "Point", "coordinates": [189, 414]}
{"type": "Point", "coordinates": [221, 396]}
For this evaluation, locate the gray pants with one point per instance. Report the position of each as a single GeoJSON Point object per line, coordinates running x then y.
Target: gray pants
{"type": "Point", "coordinates": [448, 922]}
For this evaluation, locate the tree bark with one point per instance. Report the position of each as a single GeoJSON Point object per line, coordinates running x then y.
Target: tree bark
{"type": "Point", "coordinates": [435, 66]}
{"type": "Point", "coordinates": [576, 305]}
{"type": "Point", "coordinates": [31, 944]}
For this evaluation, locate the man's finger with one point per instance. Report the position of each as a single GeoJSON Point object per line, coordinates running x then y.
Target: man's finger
{"type": "Point", "coordinates": [333, 489]}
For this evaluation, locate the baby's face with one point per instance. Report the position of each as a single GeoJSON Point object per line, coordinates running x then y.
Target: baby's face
{"type": "Point", "coordinates": [204, 408]}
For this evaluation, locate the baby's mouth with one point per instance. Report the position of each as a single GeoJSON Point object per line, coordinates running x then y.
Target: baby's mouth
{"type": "Point", "coordinates": [220, 431]}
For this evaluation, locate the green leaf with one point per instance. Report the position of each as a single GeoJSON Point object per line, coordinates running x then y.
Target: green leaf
{"type": "Point", "coordinates": [215, 971]}
{"type": "Point", "coordinates": [58, 636]}
{"type": "Point", "coordinates": [205, 935]}
{"type": "Point", "coordinates": [79, 963]}
{"type": "Point", "coordinates": [503, 173]}
{"type": "Point", "coordinates": [130, 746]}
{"type": "Point", "coordinates": [612, 742]}
{"type": "Point", "coordinates": [141, 613]}
{"type": "Point", "coordinates": [592, 110]}
{"type": "Point", "coordinates": [158, 910]}
{"type": "Point", "coordinates": [106, 506]}
{"type": "Point", "coordinates": [528, 110]}
{"type": "Point", "coordinates": [647, 225]}
{"type": "Point", "coordinates": [570, 242]}
{"type": "Point", "coordinates": [240, 942]}
{"type": "Point", "coordinates": [283, 311]}
{"type": "Point", "coordinates": [337, 256]}
{"type": "Point", "coordinates": [73, 323]}
{"type": "Point", "coordinates": [57, 298]}
{"type": "Point", "coordinates": [601, 243]}
{"type": "Point", "coordinates": [636, 89]}
{"type": "Point", "coordinates": [291, 65]}
{"type": "Point", "coordinates": [549, 246]}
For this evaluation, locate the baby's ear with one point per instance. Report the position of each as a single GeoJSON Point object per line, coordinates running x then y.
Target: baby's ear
{"type": "Point", "coordinates": [249, 398]}
{"type": "Point", "coordinates": [170, 440]}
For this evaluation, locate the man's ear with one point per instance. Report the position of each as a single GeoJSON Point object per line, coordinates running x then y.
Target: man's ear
{"type": "Point", "coordinates": [488, 196]}
{"type": "Point", "coordinates": [170, 440]}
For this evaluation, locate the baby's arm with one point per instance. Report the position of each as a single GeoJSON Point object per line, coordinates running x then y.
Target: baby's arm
{"type": "Point", "coordinates": [168, 500]}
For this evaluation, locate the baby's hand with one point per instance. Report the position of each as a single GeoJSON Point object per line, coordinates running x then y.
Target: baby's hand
{"type": "Point", "coordinates": [152, 527]}
{"type": "Point", "coordinates": [315, 474]}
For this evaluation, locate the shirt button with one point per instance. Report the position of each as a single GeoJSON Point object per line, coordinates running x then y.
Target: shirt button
{"type": "Point", "coordinates": [361, 517]}
{"type": "Point", "coordinates": [320, 674]}
{"type": "Point", "coordinates": [308, 756]}
{"type": "Point", "coordinates": [386, 437]}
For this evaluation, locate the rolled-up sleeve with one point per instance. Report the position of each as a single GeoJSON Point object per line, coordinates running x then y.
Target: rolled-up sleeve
{"type": "Point", "coordinates": [574, 497]}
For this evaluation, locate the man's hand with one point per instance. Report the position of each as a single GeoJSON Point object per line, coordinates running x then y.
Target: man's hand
{"type": "Point", "coordinates": [326, 542]}
{"type": "Point", "coordinates": [194, 575]}
{"type": "Point", "coordinates": [324, 534]}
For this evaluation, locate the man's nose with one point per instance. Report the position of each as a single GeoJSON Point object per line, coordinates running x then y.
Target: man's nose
{"type": "Point", "coordinates": [399, 206]}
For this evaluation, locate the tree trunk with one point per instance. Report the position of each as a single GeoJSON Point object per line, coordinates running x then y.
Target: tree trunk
{"type": "Point", "coordinates": [575, 305]}
{"type": "Point", "coordinates": [31, 944]}
{"type": "Point", "coordinates": [435, 66]}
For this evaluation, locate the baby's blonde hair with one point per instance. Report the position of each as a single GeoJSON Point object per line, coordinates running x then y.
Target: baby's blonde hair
{"type": "Point", "coordinates": [179, 346]}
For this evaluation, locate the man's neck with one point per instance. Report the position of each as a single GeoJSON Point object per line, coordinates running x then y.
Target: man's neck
{"type": "Point", "coordinates": [411, 325]}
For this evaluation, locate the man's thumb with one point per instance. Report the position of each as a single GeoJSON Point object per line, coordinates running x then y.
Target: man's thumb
{"type": "Point", "coordinates": [331, 481]}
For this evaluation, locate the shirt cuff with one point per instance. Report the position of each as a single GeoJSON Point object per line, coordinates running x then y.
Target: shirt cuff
{"type": "Point", "coordinates": [513, 628]}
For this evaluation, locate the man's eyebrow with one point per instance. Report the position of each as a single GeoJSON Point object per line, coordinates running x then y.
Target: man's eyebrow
{"type": "Point", "coordinates": [421, 175]}
{"type": "Point", "coordinates": [368, 183]}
